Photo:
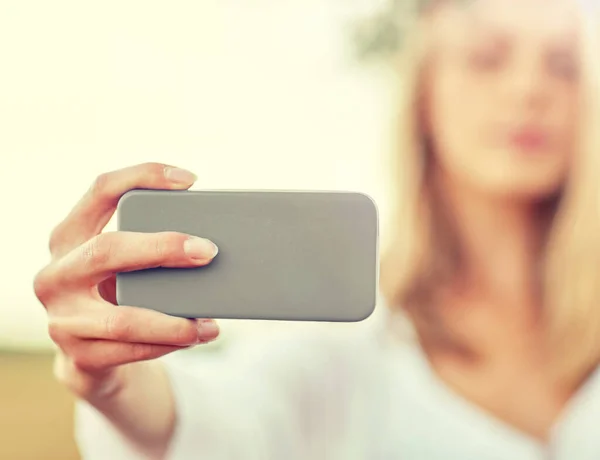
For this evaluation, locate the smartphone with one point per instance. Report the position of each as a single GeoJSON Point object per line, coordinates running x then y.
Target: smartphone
{"type": "Point", "coordinates": [283, 255]}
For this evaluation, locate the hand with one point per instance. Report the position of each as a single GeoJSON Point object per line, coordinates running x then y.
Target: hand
{"type": "Point", "coordinates": [98, 341]}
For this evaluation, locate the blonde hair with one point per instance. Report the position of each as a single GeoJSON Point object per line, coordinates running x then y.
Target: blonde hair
{"type": "Point", "coordinates": [423, 256]}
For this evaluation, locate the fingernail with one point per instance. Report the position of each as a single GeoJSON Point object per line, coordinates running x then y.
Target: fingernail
{"type": "Point", "coordinates": [200, 248]}
{"type": "Point", "coordinates": [180, 176]}
{"type": "Point", "coordinates": [207, 330]}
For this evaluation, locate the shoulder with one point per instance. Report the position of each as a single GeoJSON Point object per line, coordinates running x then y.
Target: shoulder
{"type": "Point", "coordinates": [330, 350]}
{"type": "Point", "coordinates": [299, 354]}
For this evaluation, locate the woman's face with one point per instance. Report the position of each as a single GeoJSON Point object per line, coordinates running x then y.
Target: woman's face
{"type": "Point", "coordinates": [502, 94]}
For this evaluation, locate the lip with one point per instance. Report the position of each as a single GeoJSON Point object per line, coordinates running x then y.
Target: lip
{"type": "Point", "coordinates": [529, 138]}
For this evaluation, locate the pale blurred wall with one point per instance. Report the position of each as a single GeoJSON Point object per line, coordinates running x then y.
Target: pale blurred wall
{"type": "Point", "coordinates": [248, 94]}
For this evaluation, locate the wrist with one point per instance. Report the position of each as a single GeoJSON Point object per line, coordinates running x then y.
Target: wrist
{"type": "Point", "coordinates": [93, 387]}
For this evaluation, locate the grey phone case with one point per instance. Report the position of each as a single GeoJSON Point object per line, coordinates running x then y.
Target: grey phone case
{"type": "Point", "coordinates": [283, 255]}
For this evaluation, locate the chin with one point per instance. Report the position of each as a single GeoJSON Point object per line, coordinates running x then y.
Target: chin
{"type": "Point", "coordinates": [530, 190]}
{"type": "Point", "coordinates": [538, 180]}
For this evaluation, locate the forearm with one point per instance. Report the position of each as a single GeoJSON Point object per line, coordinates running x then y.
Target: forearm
{"type": "Point", "coordinates": [143, 408]}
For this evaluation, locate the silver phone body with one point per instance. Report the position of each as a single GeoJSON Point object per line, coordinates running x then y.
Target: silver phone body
{"type": "Point", "coordinates": [283, 255]}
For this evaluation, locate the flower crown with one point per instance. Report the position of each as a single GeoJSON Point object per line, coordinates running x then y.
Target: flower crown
{"type": "Point", "coordinates": [381, 35]}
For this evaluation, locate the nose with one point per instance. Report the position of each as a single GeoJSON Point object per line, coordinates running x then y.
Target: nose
{"type": "Point", "coordinates": [528, 82]}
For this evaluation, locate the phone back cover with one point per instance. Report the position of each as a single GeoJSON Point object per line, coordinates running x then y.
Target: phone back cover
{"type": "Point", "coordinates": [283, 255]}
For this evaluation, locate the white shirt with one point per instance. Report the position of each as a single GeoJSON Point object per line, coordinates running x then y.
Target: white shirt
{"type": "Point", "coordinates": [351, 396]}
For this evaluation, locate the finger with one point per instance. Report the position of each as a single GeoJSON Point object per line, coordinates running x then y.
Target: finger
{"type": "Point", "coordinates": [133, 325]}
{"type": "Point", "coordinates": [91, 214]}
{"type": "Point", "coordinates": [97, 355]}
{"type": "Point", "coordinates": [108, 290]}
{"type": "Point", "coordinates": [113, 252]}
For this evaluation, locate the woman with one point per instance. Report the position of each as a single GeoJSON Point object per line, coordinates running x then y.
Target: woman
{"type": "Point", "coordinates": [493, 264]}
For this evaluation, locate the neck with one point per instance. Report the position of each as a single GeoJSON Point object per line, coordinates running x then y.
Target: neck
{"type": "Point", "coordinates": [500, 242]}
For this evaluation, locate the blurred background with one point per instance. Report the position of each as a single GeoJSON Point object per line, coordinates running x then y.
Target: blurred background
{"type": "Point", "coordinates": [268, 94]}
